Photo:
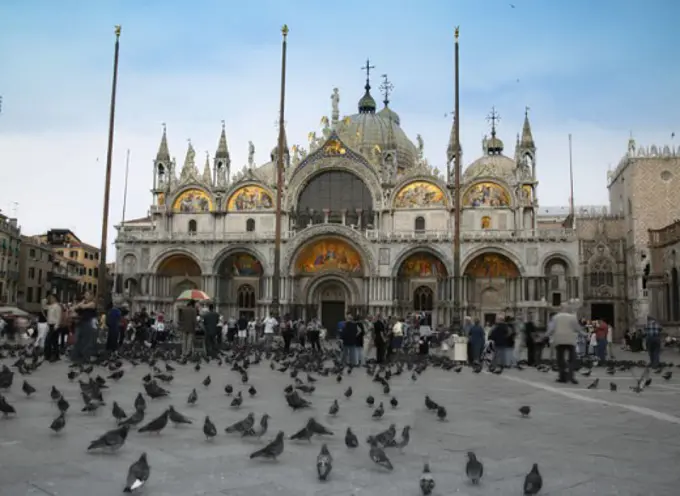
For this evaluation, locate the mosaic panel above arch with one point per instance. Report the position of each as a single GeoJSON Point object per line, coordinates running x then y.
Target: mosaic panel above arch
{"type": "Point", "coordinates": [250, 198]}
{"type": "Point", "coordinates": [179, 265]}
{"type": "Point", "coordinates": [420, 194]}
{"type": "Point", "coordinates": [486, 195]}
{"type": "Point", "coordinates": [492, 265]}
{"type": "Point", "coordinates": [422, 265]}
{"type": "Point", "coordinates": [243, 265]}
{"type": "Point", "coordinates": [193, 201]}
{"type": "Point", "coordinates": [328, 254]}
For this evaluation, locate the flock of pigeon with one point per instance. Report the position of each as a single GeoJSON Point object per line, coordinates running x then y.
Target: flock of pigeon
{"type": "Point", "coordinates": [304, 369]}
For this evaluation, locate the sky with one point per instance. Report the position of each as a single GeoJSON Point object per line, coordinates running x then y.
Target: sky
{"type": "Point", "coordinates": [597, 70]}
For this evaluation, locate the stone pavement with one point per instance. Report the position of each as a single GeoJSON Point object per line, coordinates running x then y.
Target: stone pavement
{"type": "Point", "coordinates": [586, 442]}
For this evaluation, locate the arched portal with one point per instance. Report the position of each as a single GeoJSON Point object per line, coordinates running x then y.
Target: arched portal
{"type": "Point", "coordinates": [491, 286]}
{"type": "Point", "coordinates": [329, 303]}
{"type": "Point", "coordinates": [239, 285]}
{"type": "Point", "coordinates": [177, 273]}
{"type": "Point", "coordinates": [336, 197]}
{"type": "Point", "coordinates": [421, 286]}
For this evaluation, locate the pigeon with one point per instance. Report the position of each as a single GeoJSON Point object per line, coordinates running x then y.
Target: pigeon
{"type": "Point", "coordinates": [296, 402]}
{"type": "Point", "coordinates": [228, 389]}
{"type": "Point", "coordinates": [304, 434]}
{"type": "Point", "coordinates": [533, 482]}
{"type": "Point", "coordinates": [55, 394]}
{"type": "Point", "coordinates": [118, 413]}
{"type": "Point", "coordinates": [394, 402]}
{"type": "Point", "coordinates": [386, 438]}
{"type": "Point", "coordinates": [427, 483]}
{"type": "Point", "coordinates": [238, 399]}
{"type": "Point", "coordinates": [155, 391]}
{"type": "Point", "coordinates": [117, 375]}
{"type": "Point", "coordinates": [351, 440]}
{"type": "Point", "coordinates": [379, 412]}
{"type": "Point", "coordinates": [242, 425]}
{"type": "Point", "coordinates": [207, 381]}
{"type": "Point", "coordinates": [594, 384]}
{"type": "Point", "coordinates": [264, 425]}
{"type": "Point", "coordinates": [252, 391]}
{"type": "Point", "coordinates": [272, 450]}
{"type": "Point", "coordinates": [667, 375]}
{"type": "Point", "coordinates": [370, 400]}
{"type": "Point", "coordinates": [324, 463]}
{"type": "Point", "coordinates": [138, 474]}
{"type": "Point", "coordinates": [140, 402]}
{"type": "Point", "coordinates": [72, 375]}
{"type": "Point", "coordinates": [176, 417]}
{"type": "Point", "coordinates": [316, 428]}
{"type": "Point", "coordinates": [27, 388]}
{"type": "Point", "coordinates": [474, 468]}
{"type": "Point", "coordinates": [209, 428]}
{"type": "Point", "coordinates": [133, 419]}
{"type": "Point", "coordinates": [169, 368]}
{"type": "Point", "coordinates": [348, 392]}
{"type": "Point", "coordinates": [58, 423]}
{"type": "Point", "coordinates": [612, 387]}
{"type": "Point", "coordinates": [525, 410]}
{"type": "Point", "coordinates": [193, 397]}
{"type": "Point", "coordinates": [111, 440]}
{"type": "Point", "coordinates": [62, 404]}
{"type": "Point", "coordinates": [5, 407]}
{"type": "Point", "coordinates": [379, 457]}
{"type": "Point", "coordinates": [429, 404]}
{"type": "Point", "coordinates": [405, 437]}
{"type": "Point", "coordinates": [157, 424]}
{"type": "Point", "coordinates": [334, 409]}
{"type": "Point", "coordinates": [441, 413]}
{"type": "Point", "coordinates": [386, 389]}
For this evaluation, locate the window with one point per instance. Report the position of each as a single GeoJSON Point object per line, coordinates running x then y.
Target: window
{"type": "Point", "coordinates": [95, 272]}
{"type": "Point", "coordinates": [31, 253]}
{"type": "Point", "coordinates": [246, 296]}
{"type": "Point", "coordinates": [89, 272]}
{"type": "Point", "coordinates": [38, 295]}
{"type": "Point", "coordinates": [31, 272]}
{"type": "Point", "coordinates": [73, 254]}
{"type": "Point", "coordinates": [40, 280]}
{"type": "Point", "coordinates": [250, 225]}
{"type": "Point", "coordinates": [423, 299]}
{"type": "Point", "coordinates": [29, 295]}
{"type": "Point", "coordinates": [601, 274]}
{"type": "Point", "coordinates": [192, 226]}
{"type": "Point", "coordinates": [420, 224]}
{"type": "Point", "coordinates": [60, 252]}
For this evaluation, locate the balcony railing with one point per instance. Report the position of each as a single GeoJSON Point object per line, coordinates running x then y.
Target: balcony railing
{"type": "Point", "coordinates": [668, 235]}
{"type": "Point", "coordinates": [370, 234]}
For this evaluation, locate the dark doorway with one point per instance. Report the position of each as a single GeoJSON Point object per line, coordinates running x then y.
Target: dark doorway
{"type": "Point", "coordinates": [489, 319]}
{"type": "Point", "coordinates": [602, 311]}
{"type": "Point", "coordinates": [332, 313]}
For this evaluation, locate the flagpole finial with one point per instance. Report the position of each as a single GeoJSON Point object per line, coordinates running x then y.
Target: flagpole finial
{"type": "Point", "coordinates": [284, 30]}
{"type": "Point", "coordinates": [456, 33]}
{"type": "Point", "coordinates": [116, 30]}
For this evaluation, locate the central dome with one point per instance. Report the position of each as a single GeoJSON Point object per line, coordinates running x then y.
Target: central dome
{"type": "Point", "coordinates": [367, 129]}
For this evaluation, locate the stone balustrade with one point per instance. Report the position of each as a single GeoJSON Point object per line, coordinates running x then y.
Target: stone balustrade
{"type": "Point", "coordinates": [669, 235]}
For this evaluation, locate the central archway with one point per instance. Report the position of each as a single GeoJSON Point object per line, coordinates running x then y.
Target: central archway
{"type": "Point", "coordinates": [421, 285]}
{"type": "Point", "coordinates": [239, 284]}
{"type": "Point", "coordinates": [177, 273]}
{"type": "Point", "coordinates": [491, 285]}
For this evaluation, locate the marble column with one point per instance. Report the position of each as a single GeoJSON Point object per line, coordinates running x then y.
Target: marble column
{"type": "Point", "coordinates": [326, 213]}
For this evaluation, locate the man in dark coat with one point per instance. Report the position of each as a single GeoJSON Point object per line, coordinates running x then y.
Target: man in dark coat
{"type": "Point", "coordinates": [210, 320]}
{"type": "Point", "coordinates": [379, 339]}
{"type": "Point", "coordinates": [350, 335]}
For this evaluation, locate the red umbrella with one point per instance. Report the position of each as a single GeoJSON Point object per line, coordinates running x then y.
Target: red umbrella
{"type": "Point", "coordinates": [193, 294]}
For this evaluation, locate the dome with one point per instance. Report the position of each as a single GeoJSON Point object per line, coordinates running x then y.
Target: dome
{"type": "Point", "coordinates": [365, 130]}
{"type": "Point", "coordinates": [490, 166]}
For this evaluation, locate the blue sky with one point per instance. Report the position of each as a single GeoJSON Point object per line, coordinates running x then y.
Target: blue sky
{"type": "Point", "coordinates": [596, 69]}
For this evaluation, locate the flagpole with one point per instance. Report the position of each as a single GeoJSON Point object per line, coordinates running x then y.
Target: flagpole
{"type": "Point", "coordinates": [103, 293]}
{"type": "Point", "coordinates": [276, 279]}
{"type": "Point", "coordinates": [456, 320]}
{"type": "Point", "coordinates": [571, 185]}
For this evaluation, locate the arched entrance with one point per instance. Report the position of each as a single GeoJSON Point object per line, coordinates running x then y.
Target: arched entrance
{"type": "Point", "coordinates": [177, 273]}
{"type": "Point", "coordinates": [421, 286]}
{"type": "Point", "coordinates": [328, 272]}
{"type": "Point", "coordinates": [491, 286]}
{"type": "Point", "coordinates": [239, 285]}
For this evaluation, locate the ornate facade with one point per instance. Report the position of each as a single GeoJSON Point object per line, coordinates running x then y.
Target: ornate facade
{"type": "Point", "coordinates": [367, 227]}
{"type": "Point", "coordinates": [663, 279]}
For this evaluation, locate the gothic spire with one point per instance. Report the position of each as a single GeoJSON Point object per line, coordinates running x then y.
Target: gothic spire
{"type": "Point", "coordinates": [163, 154]}
{"type": "Point", "coordinates": [207, 176]}
{"type": "Point", "coordinates": [527, 140]}
{"type": "Point", "coordinates": [222, 149]}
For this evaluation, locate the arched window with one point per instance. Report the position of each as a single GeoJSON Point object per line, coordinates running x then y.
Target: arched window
{"type": "Point", "coordinates": [420, 224]}
{"type": "Point", "coordinates": [601, 274]}
{"type": "Point", "coordinates": [335, 195]}
{"type": "Point", "coordinates": [423, 299]}
{"type": "Point", "coordinates": [246, 297]}
{"type": "Point", "coordinates": [250, 225]}
{"type": "Point", "coordinates": [192, 226]}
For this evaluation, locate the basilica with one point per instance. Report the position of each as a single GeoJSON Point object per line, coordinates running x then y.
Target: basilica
{"type": "Point", "coordinates": [367, 227]}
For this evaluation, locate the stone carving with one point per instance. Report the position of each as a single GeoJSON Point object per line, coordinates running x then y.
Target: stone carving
{"type": "Point", "coordinates": [486, 195]}
{"type": "Point", "coordinates": [334, 148]}
{"type": "Point", "coordinates": [421, 147]}
{"type": "Point", "coordinates": [532, 256]}
{"type": "Point", "coordinates": [189, 169]}
{"type": "Point", "coordinates": [193, 201]}
{"type": "Point", "coordinates": [129, 264]}
{"type": "Point", "coordinates": [422, 265]}
{"type": "Point", "coordinates": [335, 104]}
{"type": "Point", "coordinates": [420, 194]}
{"type": "Point", "coordinates": [491, 265]}
{"type": "Point", "coordinates": [328, 254]}
{"type": "Point", "coordinates": [250, 198]}
{"type": "Point", "coordinates": [251, 154]}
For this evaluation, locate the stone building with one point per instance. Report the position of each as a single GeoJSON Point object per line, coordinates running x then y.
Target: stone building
{"type": "Point", "coordinates": [10, 246]}
{"type": "Point", "coordinates": [663, 282]}
{"type": "Point", "coordinates": [367, 227]}
{"type": "Point", "coordinates": [35, 264]}
{"type": "Point", "coordinates": [644, 191]}
{"type": "Point", "coordinates": [66, 278]}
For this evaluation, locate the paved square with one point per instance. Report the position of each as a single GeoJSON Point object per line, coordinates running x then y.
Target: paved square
{"type": "Point", "coordinates": [586, 442]}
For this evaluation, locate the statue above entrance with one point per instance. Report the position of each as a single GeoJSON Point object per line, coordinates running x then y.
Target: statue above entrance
{"type": "Point", "coordinates": [328, 254]}
{"type": "Point", "coordinates": [492, 265]}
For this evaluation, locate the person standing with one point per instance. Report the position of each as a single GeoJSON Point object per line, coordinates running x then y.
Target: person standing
{"type": "Point", "coordinates": [564, 329]}
{"type": "Point", "coordinates": [361, 335]}
{"type": "Point", "coordinates": [187, 321]}
{"type": "Point", "coordinates": [113, 317]}
{"type": "Point", "coordinates": [301, 333]}
{"type": "Point", "coordinates": [270, 324]}
{"type": "Point", "coordinates": [601, 339]}
{"type": "Point", "coordinates": [529, 340]}
{"type": "Point", "coordinates": [85, 339]}
{"type": "Point", "coordinates": [252, 331]}
{"type": "Point", "coordinates": [500, 335]}
{"type": "Point", "coordinates": [211, 320]}
{"type": "Point", "coordinates": [349, 335]}
{"type": "Point", "coordinates": [242, 325]}
{"type": "Point", "coordinates": [287, 332]}
{"type": "Point", "coordinates": [232, 329]}
{"type": "Point", "coordinates": [53, 311]}
{"type": "Point", "coordinates": [314, 335]}
{"type": "Point", "coordinates": [653, 336]}
{"type": "Point", "coordinates": [379, 339]}
{"type": "Point", "coordinates": [476, 338]}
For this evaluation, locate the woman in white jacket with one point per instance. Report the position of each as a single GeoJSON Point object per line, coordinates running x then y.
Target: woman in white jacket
{"type": "Point", "coordinates": [43, 328]}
